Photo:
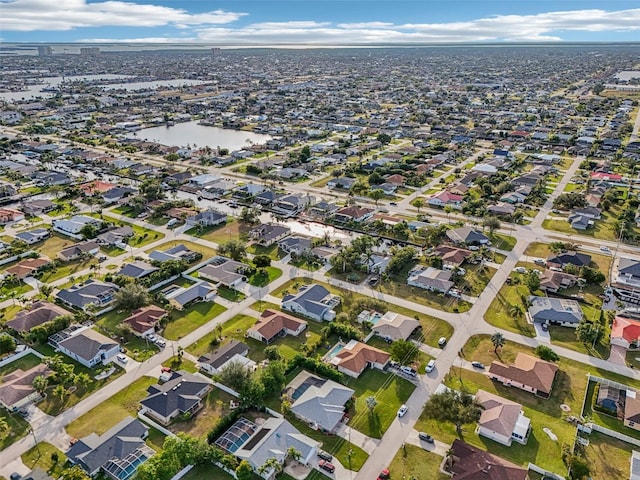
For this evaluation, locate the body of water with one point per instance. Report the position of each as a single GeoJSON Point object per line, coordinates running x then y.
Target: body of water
{"type": "Point", "coordinates": [34, 91]}
{"type": "Point", "coordinates": [194, 134]}
{"type": "Point", "coordinates": [153, 84]}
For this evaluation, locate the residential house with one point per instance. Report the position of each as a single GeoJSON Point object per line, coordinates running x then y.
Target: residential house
{"type": "Point", "coordinates": [200, 182]}
{"type": "Point", "coordinates": [117, 453]}
{"type": "Point", "coordinates": [272, 439]}
{"type": "Point", "coordinates": [85, 345]}
{"type": "Point", "coordinates": [33, 208]}
{"type": "Point", "coordinates": [625, 279]}
{"type": "Point", "coordinates": [79, 250]}
{"type": "Point", "coordinates": [344, 183]}
{"type": "Point", "coordinates": [452, 256]}
{"type": "Point", "coordinates": [391, 325]}
{"type": "Point", "coordinates": [323, 209]}
{"type": "Point", "coordinates": [137, 269]}
{"type": "Point", "coordinates": [142, 321]}
{"type": "Point", "coordinates": [290, 205]}
{"type": "Point", "coordinates": [117, 193]}
{"type": "Point", "coordinates": [33, 236]}
{"type": "Point", "coordinates": [27, 268]}
{"type": "Point", "coordinates": [471, 463]}
{"type": "Point", "coordinates": [115, 236]}
{"type": "Point", "coordinates": [296, 245]}
{"type": "Point", "coordinates": [468, 236]}
{"type": "Point", "coordinates": [182, 394]}
{"type": "Point", "coordinates": [353, 213]}
{"type": "Point", "coordinates": [555, 311]}
{"type": "Point", "coordinates": [8, 215]}
{"type": "Point", "coordinates": [73, 225]}
{"type": "Point", "coordinates": [273, 324]}
{"type": "Point", "coordinates": [563, 259]}
{"type": "Point", "coordinates": [625, 332]}
{"type": "Point", "coordinates": [38, 313]}
{"type": "Point", "coordinates": [88, 294]}
{"type": "Point", "coordinates": [527, 373]}
{"type": "Point", "coordinates": [230, 353]}
{"type": "Point", "coordinates": [224, 271]}
{"type": "Point", "coordinates": [501, 209]}
{"type": "Point", "coordinates": [444, 198]}
{"type": "Point", "coordinates": [177, 253]}
{"type": "Point", "coordinates": [430, 278]}
{"type": "Point", "coordinates": [313, 301]}
{"type": "Point", "coordinates": [249, 190]}
{"type": "Point", "coordinates": [502, 420]}
{"type": "Point", "coordinates": [268, 234]}
{"type": "Point", "coordinates": [631, 408]}
{"type": "Point", "coordinates": [181, 297]}
{"type": "Point", "coordinates": [354, 357]}
{"type": "Point", "coordinates": [206, 218]}
{"type": "Point", "coordinates": [16, 388]}
{"type": "Point", "coordinates": [318, 402]}
{"type": "Point", "coordinates": [553, 281]}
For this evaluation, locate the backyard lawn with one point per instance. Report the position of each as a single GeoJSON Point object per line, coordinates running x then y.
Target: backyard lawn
{"type": "Point", "coordinates": [417, 464]}
{"type": "Point", "coordinates": [216, 405]}
{"type": "Point", "coordinates": [389, 390]}
{"type": "Point", "coordinates": [186, 321]}
{"type": "Point", "coordinates": [141, 236]}
{"type": "Point", "coordinates": [113, 410]}
{"type": "Point", "coordinates": [260, 279]}
{"type": "Point", "coordinates": [207, 472]}
{"type": "Point", "coordinates": [607, 457]}
{"type": "Point", "coordinates": [25, 363]}
{"type": "Point", "coordinates": [432, 328]}
{"type": "Point", "coordinates": [568, 389]}
{"type": "Point", "coordinates": [232, 230]}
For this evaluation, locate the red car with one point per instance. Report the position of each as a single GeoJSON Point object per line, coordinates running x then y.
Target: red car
{"type": "Point", "coordinates": [384, 474]}
{"type": "Point", "coordinates": [329, 467]}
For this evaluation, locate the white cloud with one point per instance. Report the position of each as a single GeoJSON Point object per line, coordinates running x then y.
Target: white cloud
{"type": "Point", "coordinates": [51, 15]}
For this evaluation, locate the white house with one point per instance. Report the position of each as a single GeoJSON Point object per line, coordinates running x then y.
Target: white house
{"type": "Point", "coordinates": [502, 420]}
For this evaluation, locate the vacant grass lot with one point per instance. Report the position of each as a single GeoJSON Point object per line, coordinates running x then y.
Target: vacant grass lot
{"type": "Point", "coordinates": [113, 410]}
{"type": "Point", "coordinates": [607, 457]}
{"type": "Point", "coordinates": [40, 457]}
{"type": "Point", "coordinates": [260, 279]}
{"type": "Point", "coordinates": [416, 463]}
{"type": "Point", "coordinates": [569, 389]}
{"type": "Point", "coordinates": [216, 405]}
{"type": "Point", "coordinates": [25, 363]}
{"type": "Point", "coordinates": [499, 314]}
{"type": "Point", "coordinates": [196, 247]}
{"type": "Point", "coordinates": [232, 230]}
{"type": "Point", "coordinates": [432, 328]}
{"type": "Point", "coordinates": [186, 321]}
{"type": "Point", "coordinates": [603, 228]}
{"type": "Point", "coordinates": [389, 390]}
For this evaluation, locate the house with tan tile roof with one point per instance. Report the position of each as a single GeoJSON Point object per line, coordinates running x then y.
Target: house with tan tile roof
{"type": "Point", "coordinates": [272, 324]}
{"type": "Point", "coordinates": [354, 357]}
{"type": "Point", "coordinates": [16, 389]}
{"type": "Point", "coordinates": [502, 420]}
{"type": "Point", "coordinates": [527, 373]}
{"type": "Point", "coordinates": [143, 320]}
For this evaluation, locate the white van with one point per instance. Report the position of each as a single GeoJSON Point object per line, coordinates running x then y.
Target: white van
{"type": "Point", "coordinates": [430, 366]}
{"type": "Point", "coordinates": [172, 222]}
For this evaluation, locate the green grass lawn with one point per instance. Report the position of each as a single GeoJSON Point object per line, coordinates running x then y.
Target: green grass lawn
{"type": "Point", "coordinates": [230, 294]}
{"type": "Point", "coordinates": [259, 279]}
{"type": "Point", "coordinates": [566, 337]}
{"type": "Point", "coordinates": [207, 472]}
{"type": "Point", "coordinates": [499, 314]}
{"type": "Point", "coordinates": [7, 291]}
{"type": "Point", "coordinates": [18, 428]}
{"type": "Point", "coordinates": [274, 252]}
{"type": "Point", "coordinates": [196, 247]}
{"type": "Point", "coordinates": [137, 348]}
{"type": "Point", "coordinates": [68, 269]}
{"type": "Point", "coordinates": [397, 286]}
{"type": "Point", "coordinates": [141, 236]}
{"type": "Point", "coordinates": [25, 363]}
{"type": "Point", "coordinates": [503, 242]}
{"type": "Point", "coordinates": [475, 280]}
{"type": "Point", "coordinates": [117, 407]}
{"type": "Point", "coordinates": [603, 228]}
{"type": "Point", "coordinates": [232, 230]}
{"type": "Point", "coordinates": [342, 450]}
{"type": "Point", "coordinates": [40, 457]}
{"type": "Point", "coordinates": [569, 389]}
{"type": "Point", "coordinates": [389, 390]}
{"type": "Point", "coordinates": [607, 457]}
{"type": "Point", "coordinates": [417, 464]}
{"type": "Point", "coordinates": [216, 405]}
{"type": "Point", "coordinates": [186, 321]}
{"type": "Point", "coordinates": [432, 328]}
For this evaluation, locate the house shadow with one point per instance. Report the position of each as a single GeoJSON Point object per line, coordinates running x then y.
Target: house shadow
{"type": "Point", "coordinates": [374, 425]}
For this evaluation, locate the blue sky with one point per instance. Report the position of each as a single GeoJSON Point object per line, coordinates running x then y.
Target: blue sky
{"type": "Point", "coordinates": [318, 22]}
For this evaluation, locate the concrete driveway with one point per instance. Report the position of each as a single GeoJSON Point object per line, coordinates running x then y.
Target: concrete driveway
{"type": "Point", "coordinates": [541, 335]}
{"type": "Point", "coordinates": [618, 355]}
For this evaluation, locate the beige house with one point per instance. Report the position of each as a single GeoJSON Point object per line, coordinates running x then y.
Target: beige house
{"type": "Point", "coordinates": [394, 326]}
{"type": "Point", "coordinates": [502, 420]}
{"type": "Point", "coordinates": [527, 373]}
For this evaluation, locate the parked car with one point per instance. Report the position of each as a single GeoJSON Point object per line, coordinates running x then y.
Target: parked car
{"type": "Point", "coordinates": [425, 437]}
{"type": "Point", "coordinates": [122, 358]}
{"type": "Point", "coordinates": [402, 410]}
{"type": "Point", "coordinates": [393, 203]}
{"type": "Point", "coordinates": [384, 474]}
{"type": "Point", "coordinates": [15, 476]}
{"type": "Point", "coordinates": [604, 249]}
{"type": "Point", "coordinates": [430, 366]}
{"type": "Point", "coordinates": [520, 270]}
{"type": "Point", "coordinates": [442, 341]}
{"type": "Point", "coordinates": [324, 455]}
{"type": "Point", "coordinates": [478, 365]}
{"type": "Point", "coordinates": [545, 327]}
{"type": "Point", "coordinates": [373, 280]}
{"type": "Point", "coordinates": [539, 261]}
{"type": "Point", "coordinates": [161, 343]}
{"type": "Point", "coordinates": [408, 370]}
{"type": "Point", "coordinates": [394, 364]}
{"type": "Point", "coordinates": [329, 467]}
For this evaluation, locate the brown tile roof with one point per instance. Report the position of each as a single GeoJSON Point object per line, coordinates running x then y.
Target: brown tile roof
{"type": "Point", "coordinates": [39, 313]}
{"type": "Point", "coordinates": [271, 322]}
{"type": "Point", "coordinates": [471, 463]}
{"type": "Point", "coordinates": [27, 267]}
{"type": "Point", "coordinates": [354, 211]}
{"type": "Point", "coordinates": [144, 318]}
{"type": "Point", "coordinates": [528, 370]}
{"type": "Point", "coordinates": [17, 385]}
{"type": "Point", "coordinates": [499, 415]}
{"type": "Point", "coordinates": [453, 255]}
{"type": "Point", "coordinates": [359, 356]}
{"type": "Point", "coordinates": [632, 407]}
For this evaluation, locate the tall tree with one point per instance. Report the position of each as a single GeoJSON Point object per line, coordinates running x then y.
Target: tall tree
{"type": "Point", "coordinates": [40, 384]}
{"type": "Point", "coordinates": [491, 223]}
{"type": "Point", "coordinates": [233, 249]}
{"type": "Point", "coordinates": [498, 341]}
{"type": "Point", "coordinates": [404, 351]}
{"type": "Point", "coordinates": [376, 195]}
{"type": "Point", "coordinates": [132, 296]}
{"type": "Point", "coordinates": [459, 408]}
{"type": "Point", "coordinates": [418, 203]}
{"type": "Point", "coordinates": [244, 471]}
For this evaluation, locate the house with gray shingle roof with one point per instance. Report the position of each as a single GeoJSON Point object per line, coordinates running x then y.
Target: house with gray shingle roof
{"type": "Point", "coordinates": [85, 345]}
{"type": "Point", "coordinates": [555, 311]}
{"type": "Point", "coordinates": [181, 394]}
{"type": "Point", "coordinates": [117, 453]}
{"type": "Point", "coordinates": [89, 293]}
{"type": "Point", "coordinates": [313, 301]}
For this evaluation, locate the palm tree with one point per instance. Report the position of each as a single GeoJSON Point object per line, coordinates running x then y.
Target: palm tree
{"type": "Point", "coordinates": [272, 464]}
{"type": "Point", "coordinates": [294, 453]}
{"type": "Point", "coordinates": [498, 341]}
{"type": "Point", "coordinates": [516, 310]}
{"type": "Point", "coordinates": [60, 392]}
{"type": "Point", "coordinates": [371, 403]}
{"type": "Point", "coordinates": [40, 384]}
{"type": "Point", "coordinates": [46, 290]}
{"type": "Point", "coordinates": [376, 195]}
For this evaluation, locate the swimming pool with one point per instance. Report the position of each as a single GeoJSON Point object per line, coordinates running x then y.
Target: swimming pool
{"type": "Point", "coordinates": [335, 350]}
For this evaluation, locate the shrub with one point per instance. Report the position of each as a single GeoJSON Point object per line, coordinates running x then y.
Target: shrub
{"type": "Point", "coordinates": [546, 353]}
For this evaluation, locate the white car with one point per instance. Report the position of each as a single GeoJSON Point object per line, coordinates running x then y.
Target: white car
{"type": "Point", "coordinates": [442, 342]}
{"type": "Point", "coordinates": [430, 366]}
{"type": "Point", "coordinates": [605, 249]}
{"type": "Point", "coordinates": [122, 358]}
{"type": "Point", "coordinates": [520, 270]}
{"type": "Point", "coordinates": [402, 410]}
